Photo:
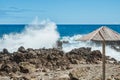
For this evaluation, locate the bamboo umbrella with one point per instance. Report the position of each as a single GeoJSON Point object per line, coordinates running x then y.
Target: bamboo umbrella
{"type": "Point", "coordinates": [103, 35]}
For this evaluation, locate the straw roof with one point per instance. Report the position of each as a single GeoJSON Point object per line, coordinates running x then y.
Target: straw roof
{"type": "Point", "coordinates": [107, 33]}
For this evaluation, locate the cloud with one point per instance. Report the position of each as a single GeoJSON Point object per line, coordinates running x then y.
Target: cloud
{"type": "Point", "coordinates": [8, 12]}
{"type": "Point", "coordinates": [25, 10]}
{"type": "Point", "coordinates": [14, 10]}
{"type": "Point", "coordinates": [13, 7]}
{"type": "Point", "coordinates": [18, 15]}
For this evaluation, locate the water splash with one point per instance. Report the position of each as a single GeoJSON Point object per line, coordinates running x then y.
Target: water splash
{"type": "Point", "coordinates": [35, 35]}
{"type": "Point", "coordinates": [77, 44]}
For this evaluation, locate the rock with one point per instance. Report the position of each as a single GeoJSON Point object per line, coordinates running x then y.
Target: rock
{"type": "Point", "coordinates": [4, 78]}
{"type": "Point", "coordinates": [6, 67]}
{"type": "Point", "coordinates": [50, 57]}
{"type": "Point", "coordinates": [34, 61]}
{"type": "Point", "coordinates": [96, 54]}
{"type": "Point", "coordinates": [63, 79]}
{"type": "Point", "coordinates": [72, 77]}
{"type": "Point", "coordinates": [3, 73]}
{"type": "Point", "coordinates": [49, 65]}
{"type": "Point", "coordinates": [46, 70]}
{"type": "Point", "coordinates": [21, 78]}
{"type": "Point", "coordinates": [5, 51]}
{"type": "Point", "coordinates": [113, 61]}
{"type": "Point", "coordinates": [65, 42]}
{"type": "Point", "coordinates": [25, 78]}
{"type": "Point", "coordinates": [59, 45]}
{"type": "Point", "coordinates": [15, 68]}
{"type": "Point", "coordinates": [78, 73]}
{"type": "Point", "coordinates": [27, 61]}
{"type": "Point", "coordinates": [21, 49]}
{"type": "Point", "coordinates": [32, 54]}
{"type": "Point", "coordinates": [18, 57]}
{"type": "Point", "coordinates": [74, 61]}
{"type": "Point", "coordinates": [4, 58]}
{"type": "Point", "coordinates": [26, 67]}
{"type": "Point", "coordinates": [84, 55]}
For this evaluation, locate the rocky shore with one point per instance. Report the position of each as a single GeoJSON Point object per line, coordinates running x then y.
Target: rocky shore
{"type": "Point", "coordinates": [54, 64]}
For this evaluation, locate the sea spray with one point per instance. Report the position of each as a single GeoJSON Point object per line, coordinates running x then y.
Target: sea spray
{"type": "Point", "coordinates": [73, 43]}
{"type": "Point", "coordinates": [35, 35]}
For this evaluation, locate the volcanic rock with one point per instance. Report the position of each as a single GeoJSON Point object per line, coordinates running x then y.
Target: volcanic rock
{"type": "Point", "coordinates": [84, 55]}
{"type": "Point", "coordinates": [6, 67]}
{"type": "Point", "coordinates": [26, 67]}
{"type": "Point", "coordinates": [21, 49]}
{"type": "Point", "coordinates": [5, 51]}
{"type": "Point", "coordinates": [26, 61]}
{"type": "Point", "coordinates": [18, 57]}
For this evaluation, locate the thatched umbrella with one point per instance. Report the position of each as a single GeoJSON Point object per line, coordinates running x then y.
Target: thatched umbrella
{"type": "Point", "coordinates": [103, 35]}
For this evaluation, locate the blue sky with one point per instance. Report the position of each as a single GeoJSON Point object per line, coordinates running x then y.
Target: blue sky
{"type": "Point", "coordinates": [60, 11]}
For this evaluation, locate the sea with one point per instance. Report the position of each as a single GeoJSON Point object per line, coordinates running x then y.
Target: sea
{"type": "Point", "coordinates": [63, 29]}
{"type": "Point", "coordinates": [12, 36]}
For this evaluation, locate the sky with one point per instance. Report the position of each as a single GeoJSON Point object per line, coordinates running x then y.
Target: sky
{"type": "Point", "coordinates": [60, 11]}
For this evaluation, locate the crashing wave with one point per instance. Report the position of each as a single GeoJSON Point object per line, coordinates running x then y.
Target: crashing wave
{"type": "Point", "coordinates": [73, 43]}
{"type": "Point", "coordinates": [35, 35]}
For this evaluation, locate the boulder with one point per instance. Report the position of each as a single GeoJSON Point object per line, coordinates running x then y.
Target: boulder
{"type": "Point", "coordinates": [21, 49]}
{"type": "Point", "coordinates": [5, 51]}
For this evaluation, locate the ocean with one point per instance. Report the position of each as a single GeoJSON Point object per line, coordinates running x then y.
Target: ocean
{"type": "Point", "coordinates": [63, 29]}
{"type": "Point", "coordinates": [46, 34]}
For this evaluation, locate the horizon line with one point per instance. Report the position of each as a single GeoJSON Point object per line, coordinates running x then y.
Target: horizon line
{"type": "Point", "coordinates": [63, 24]}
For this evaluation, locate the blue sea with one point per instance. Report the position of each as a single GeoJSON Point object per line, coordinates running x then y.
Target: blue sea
{"type": "Point", "coordinates": [64, 30]}
{"type": "Point", "coordinates": [13, 36]}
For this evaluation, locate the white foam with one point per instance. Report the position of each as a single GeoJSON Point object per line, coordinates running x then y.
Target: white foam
{"type": "Point", "coordinates": [77, 44]}
{"type": "Point", "coordinates": [35, 35]}
{"type": "Point", "coordinates": [44, 34]}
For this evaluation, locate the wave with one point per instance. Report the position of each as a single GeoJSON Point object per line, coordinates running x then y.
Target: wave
{"type": "Point", "coordinates": [73, 43]}
{"type": "Point", "coordinates": [44, 34]}
{"type": "Point", "coordinates": [35, 35]}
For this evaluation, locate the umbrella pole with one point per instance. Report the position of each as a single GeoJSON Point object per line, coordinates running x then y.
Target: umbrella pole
{"type": "Point", "coordinates": [103, 59]}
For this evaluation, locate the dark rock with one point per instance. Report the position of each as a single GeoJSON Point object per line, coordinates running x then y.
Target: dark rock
{"type": "Point", "coordinates": [21, 49]}
{"type": "Point", "coordinates": [26, 61]}
{"type": "Point", "coordinates": [32, 54]}
{"type": "Point", "coordinates": [6, 67]}
{"type": "Point", "coordinates": [50, 57]}
{"type": "Point", "coordinates": [59, 45]}
{"type": "Point", "coordinates": [15, 68]}
{"type": "Point", "coordinates": [18, 57]}
{"type": "Point", "coordinates": [79, 55]}
{"type": "Point", "coordinates": [30, 49]}
{"type": "Point", "coordinates": [72, 77]}
{"type": "Point", "coordinates": [24, 69]}
{"type": "Point", "coordinates": [96, 53]}
{"type": "Point", "coordinates": [65, 42]}
{"type": "Point", "coordinates": [5, 51]}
